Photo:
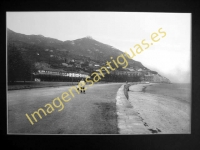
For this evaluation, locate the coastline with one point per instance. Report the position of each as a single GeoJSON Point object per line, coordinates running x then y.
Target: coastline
{"type": "Point", "coordinates": [160, 113]}
{"type": "Point", "coordinates": [179, 91]}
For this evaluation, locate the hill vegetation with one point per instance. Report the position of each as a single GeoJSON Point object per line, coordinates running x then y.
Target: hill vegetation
{"type": "Point", "coordinates": [28, 53]}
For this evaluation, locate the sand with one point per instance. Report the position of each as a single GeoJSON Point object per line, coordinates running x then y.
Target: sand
{"type": "Point", "coordinates": [161, 113]}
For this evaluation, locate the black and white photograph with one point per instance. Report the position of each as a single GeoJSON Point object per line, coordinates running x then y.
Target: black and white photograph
{"type": "Point", "coordinates": [98, 73]}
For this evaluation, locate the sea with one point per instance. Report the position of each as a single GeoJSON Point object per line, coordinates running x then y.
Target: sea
{"type": "Point", "coordinates": [180, 91]}
{"type": "Point", "coordinates": [163, 106]}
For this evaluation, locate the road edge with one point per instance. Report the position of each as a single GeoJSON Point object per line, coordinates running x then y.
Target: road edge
{"type": "Point", "coordinates": [127, 118]}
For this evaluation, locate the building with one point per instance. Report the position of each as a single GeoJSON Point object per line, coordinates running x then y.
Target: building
{"type": "Point", "coordinates": [91, 63]}
{"type": "Point", "coordinates": [127, 72]}
{"type": "Point", "coordinates": [140, 69]}
{"type": "Point", "coordinates": [79, 61]}
{"type": "Point", "coordinates": [62, 73]}
{"type": "Point", "coordinates": [130, 69]}
{"type": "Point", "coordinates": [148, 77]}
{"type": "Point", "coordinates": [78, 65]}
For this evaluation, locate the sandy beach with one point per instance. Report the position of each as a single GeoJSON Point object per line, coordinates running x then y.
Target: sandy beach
{"type": "Point", "coordinates": [160, 113]}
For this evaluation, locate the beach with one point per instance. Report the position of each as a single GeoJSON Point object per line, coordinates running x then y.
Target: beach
{"type": "Point", "coordinates": [164, 108]}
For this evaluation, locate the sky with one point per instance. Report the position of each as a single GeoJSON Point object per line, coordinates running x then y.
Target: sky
{"type": "Point", "coordinates": [170, 56]}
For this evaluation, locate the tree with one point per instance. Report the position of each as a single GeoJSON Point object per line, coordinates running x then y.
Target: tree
{"type": "Point", "coordinates": [18, 68]}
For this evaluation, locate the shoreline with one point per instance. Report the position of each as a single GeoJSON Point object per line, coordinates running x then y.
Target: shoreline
{"type": "Point", "coordinates": [145, 87]}
{"type": "Point", "coordinates": [160, 113]}
{"type": "Point", "coordinates": [141, 87]}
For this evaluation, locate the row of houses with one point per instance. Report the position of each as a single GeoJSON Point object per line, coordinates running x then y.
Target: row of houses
{"type": "Point", "coordinates": [61, 73]}
{"type": "Point", "coordinates": [128, 73]}
{"type": "Point", "coordinates": [145, 76]}
{"type": "Point", "coordinates": [77, 63]}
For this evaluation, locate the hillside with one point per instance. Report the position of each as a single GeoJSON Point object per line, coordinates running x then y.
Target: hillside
{"type": "Point", "coordinates": [52, 51]}
{"type": "Point", "coordinates": [27, 54]}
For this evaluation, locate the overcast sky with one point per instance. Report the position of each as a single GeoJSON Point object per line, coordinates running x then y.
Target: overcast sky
{"type": "Point", "coordinates": [170, 56]}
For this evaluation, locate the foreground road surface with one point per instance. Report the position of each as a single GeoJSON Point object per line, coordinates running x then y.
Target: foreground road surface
{"type": "Point", "coordinates": [90, 113]}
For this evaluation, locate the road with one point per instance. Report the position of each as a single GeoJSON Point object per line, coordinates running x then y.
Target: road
{"type": "Point", "coordinates": [90, 113]}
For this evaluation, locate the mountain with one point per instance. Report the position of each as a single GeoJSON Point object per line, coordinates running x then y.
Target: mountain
{"type": "Point", "coordinates": [84, 47]}
{"type": "Point", "coordinates": [53, 54]}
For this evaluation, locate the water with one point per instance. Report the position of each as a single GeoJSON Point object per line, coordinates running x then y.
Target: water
{"type": "Point", "coordinates": [180, 91]}
{"type": "Point", "coordinates": [166, 107]}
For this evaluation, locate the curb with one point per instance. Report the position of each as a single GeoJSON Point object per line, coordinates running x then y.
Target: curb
{"type": "Point", "coordinates": [128, 120]}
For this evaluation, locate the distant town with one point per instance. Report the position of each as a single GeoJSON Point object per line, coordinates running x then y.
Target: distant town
{"type": "Point", "coordinates": [79, 71]}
